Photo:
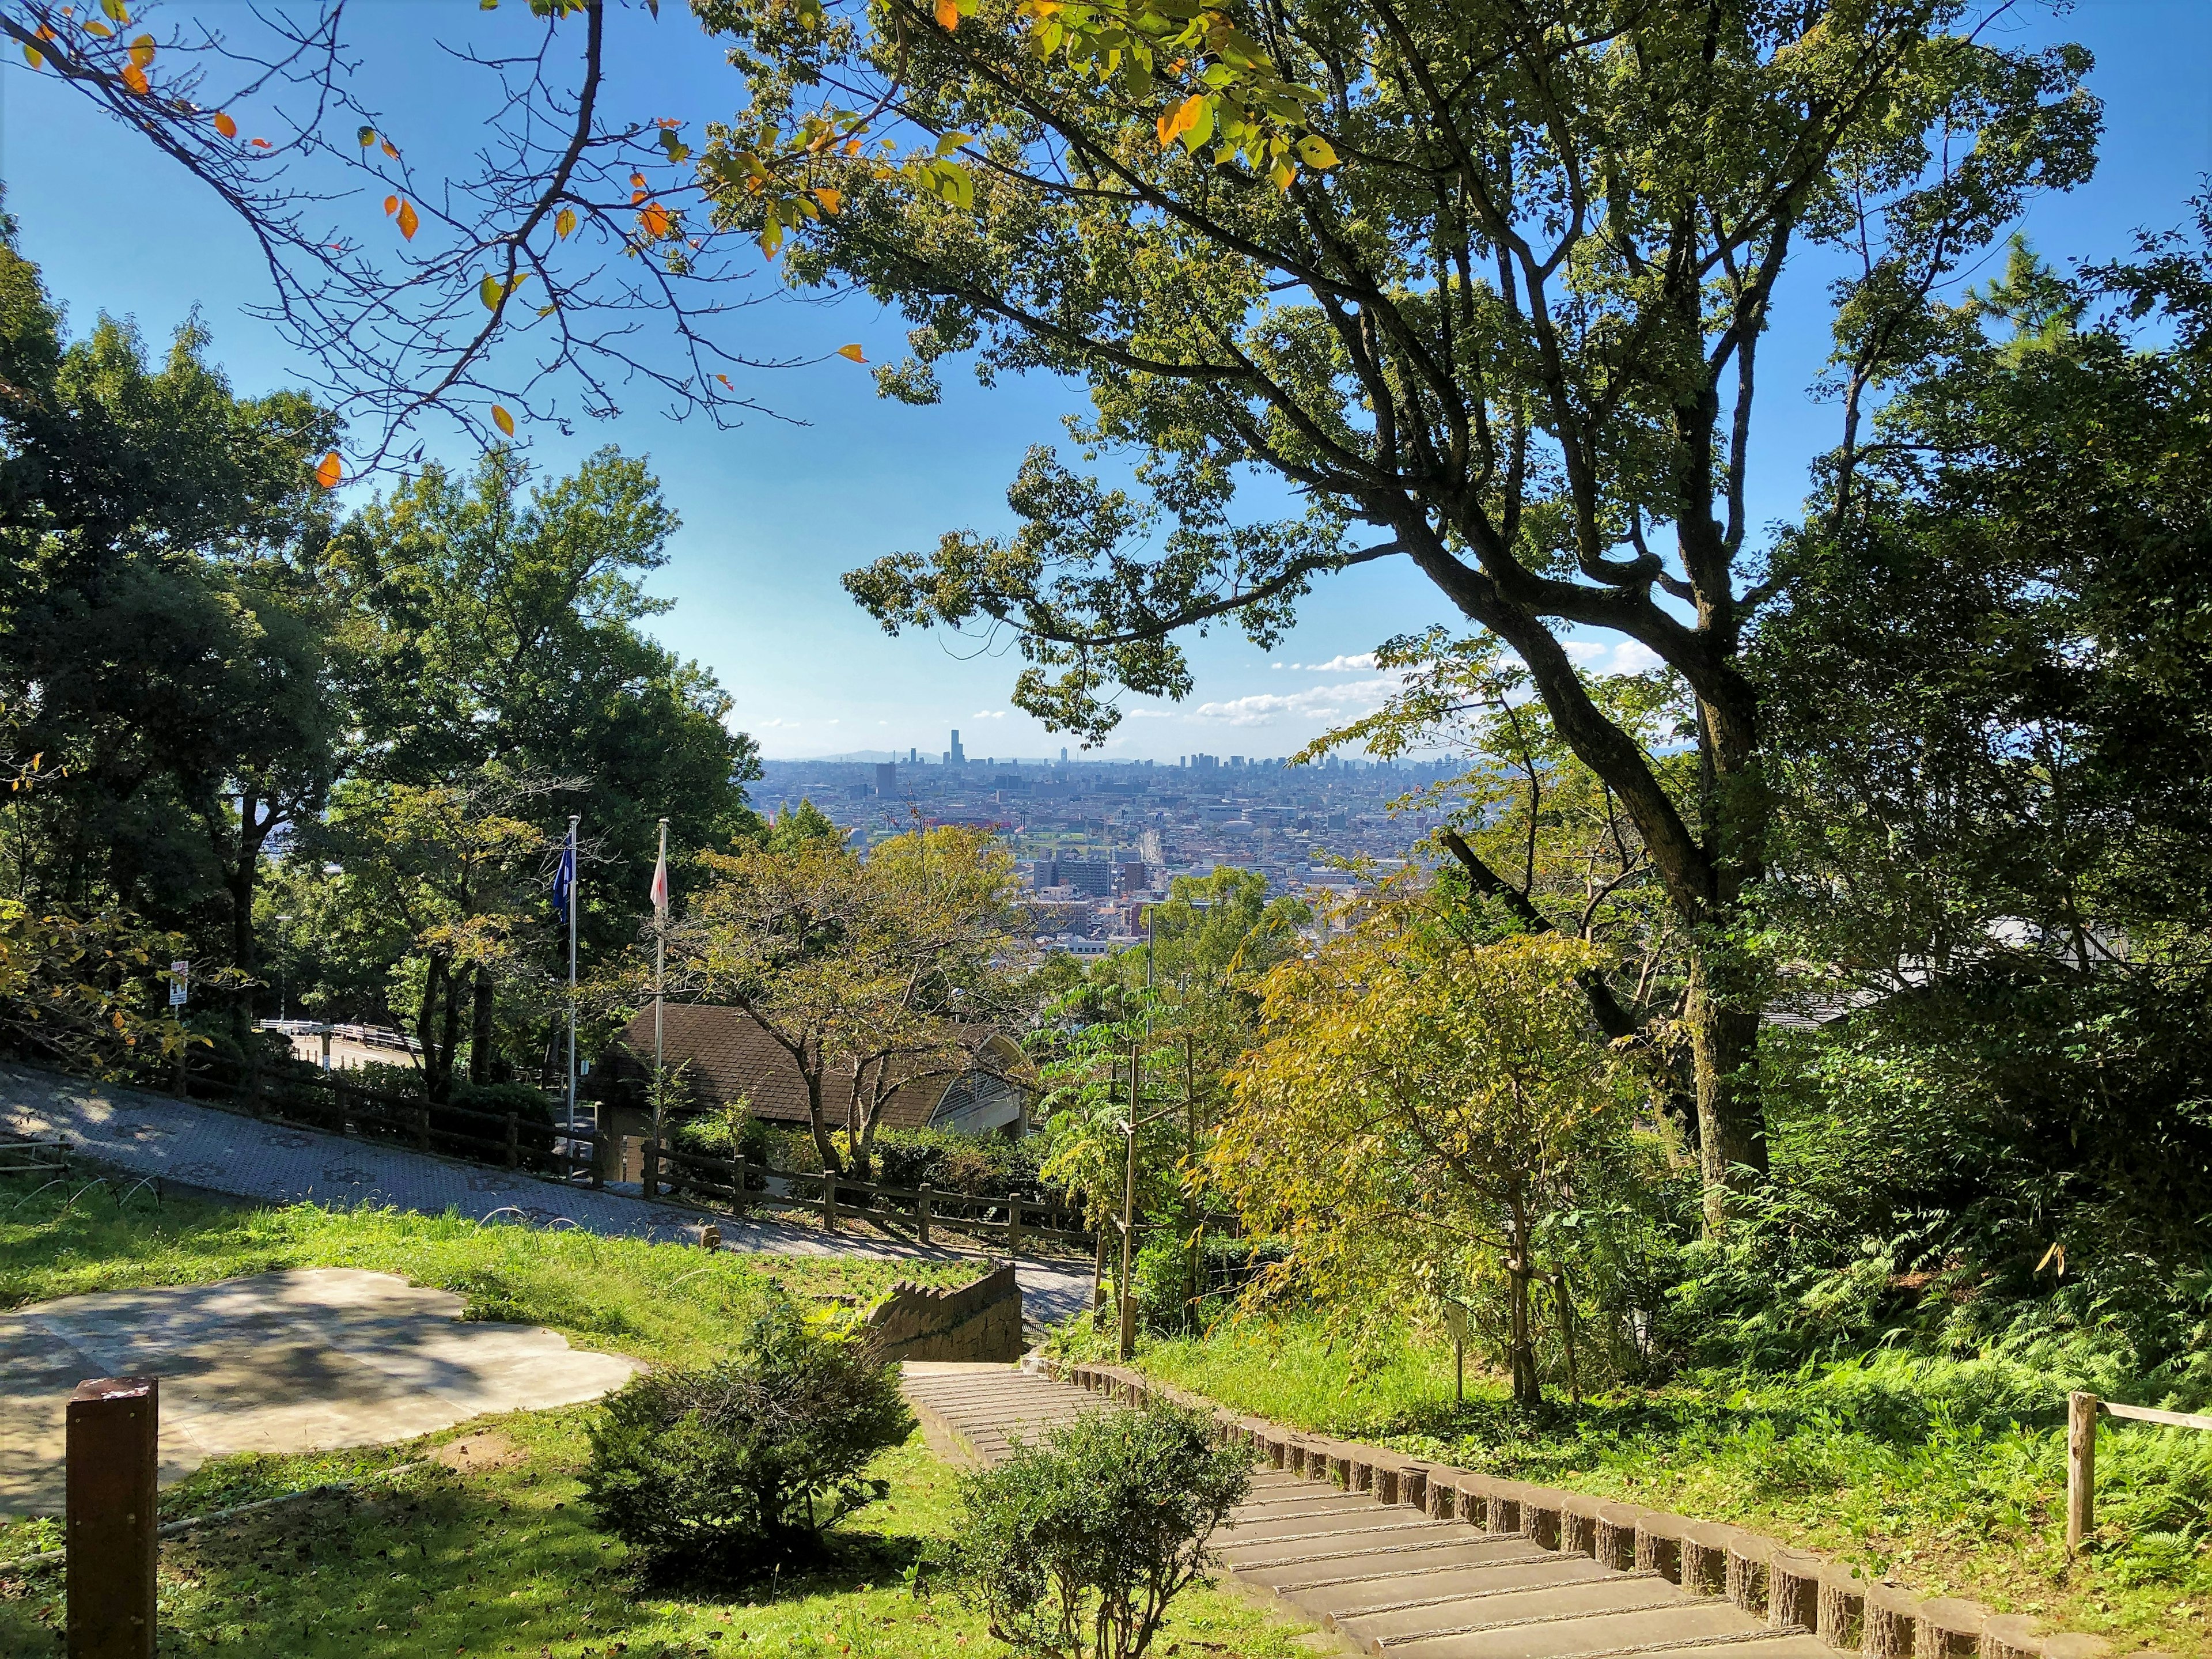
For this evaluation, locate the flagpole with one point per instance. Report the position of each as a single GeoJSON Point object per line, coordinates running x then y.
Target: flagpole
{"type": "Point", "coordinates": [659, 971]}
{"type": "Point", "coordinates": [575, 875]}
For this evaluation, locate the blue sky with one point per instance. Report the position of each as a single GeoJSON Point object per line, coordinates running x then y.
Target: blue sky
{"type": "Point", "coordinates": [774, 512]}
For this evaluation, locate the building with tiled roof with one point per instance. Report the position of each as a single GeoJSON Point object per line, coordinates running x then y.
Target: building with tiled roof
{"type": "Point", "coordinates": [715, 1056]}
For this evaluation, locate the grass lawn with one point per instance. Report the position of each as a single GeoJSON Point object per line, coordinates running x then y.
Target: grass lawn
{"type": "Point", "coordinates": [425, 1559]}
{"type": "Point", "coordinates": [1937, 1473]}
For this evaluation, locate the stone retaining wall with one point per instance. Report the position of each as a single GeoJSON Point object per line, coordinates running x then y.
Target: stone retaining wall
{"type": "Point", "coordinates": [981, 1321]}
{"type": "Point", "coordinates": [1793, 1589]}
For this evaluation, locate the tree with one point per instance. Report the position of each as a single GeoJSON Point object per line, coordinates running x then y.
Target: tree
{"type": "Point", "coordinates": [870, 974]}
{"type": "Point", "coordinates": [501, 639]}
{"type": "Point", "coordinates": [445, 877]}
{"type": "Point", "coordinates": [1542, 840]}
{"type": "Point", "coordinates": [1514, 335]}
{"type": "Point", "coordinates": [1424, 1106]}
{"type": "Point", "coordinates": [167, 649]}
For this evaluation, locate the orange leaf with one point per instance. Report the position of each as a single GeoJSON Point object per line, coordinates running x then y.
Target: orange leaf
{"type": "Point", "coordinates": [725, 379]}
{"type": "Point", "coordinates": [389, 149]}
{"type": "Point", "coordinates": [502, 420]}
{"type": "Point", "coordinates": [831, 200]}
{"type": "Point", "coordinates": [331, 471]}
{"type": "Point", "coordinates": [226, 126]}
{"type": "Point", "coordinates": [1178, 119]}
{"type": "Point", "coordinates": [135, 78]}
{"type": "Point", "coordinates": [263, 143]}
{"type": "Point", "coordinates": [948, 15]}
{"type": "Point", "coordinates": [391, 205]}
{"type": "Point", "coordinates": [409, 221]}
{"type": "Point", "coordinates": [653, 221]}
{"type": "Point", "coordinates": [852, 352]}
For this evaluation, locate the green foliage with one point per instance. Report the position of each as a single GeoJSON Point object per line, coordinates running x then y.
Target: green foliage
{"type": "Point", "coordinates": [984, 1166]}
{"type": "Point", "coordinates": [1077, 1547]}
{"type": "Point", "coordinates": [741, 1466]}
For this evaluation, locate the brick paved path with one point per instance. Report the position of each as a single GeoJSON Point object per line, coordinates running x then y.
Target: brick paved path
{"type": "Point", "coordinates": [1387, 1579]}
{"type": "Point", "coordinates": [148, 1135]}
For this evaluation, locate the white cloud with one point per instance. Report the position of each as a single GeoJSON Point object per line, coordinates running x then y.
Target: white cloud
{"type": "Point", "coordinates": [1362, 662]}
{"type": "Point", "coordinates": [1612, 656]}
{"type": "Point", "coordinates": [1317, 702]}
{"type": "Point", "coordinates": [990, 713]}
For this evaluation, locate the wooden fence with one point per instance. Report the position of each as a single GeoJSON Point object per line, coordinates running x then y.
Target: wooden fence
{"type": "Point", "coordinates": [2082, 1411]}
{"type": "Point", "coordinates": [26, 1157]}
{"type": "Point", "coordinates": [739, 1185]}
{"type": "Point", "coordinates": [328, 1102]}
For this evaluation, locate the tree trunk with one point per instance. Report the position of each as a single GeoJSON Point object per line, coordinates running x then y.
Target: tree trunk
{"type": "Point", "coordinates": [450, 1036]}
{"type": "Point", "coordinates": [1731, 1121]}
{"type": "Point", "coordinates": [480, 1037]}
{"type": "Point", "coordinates": [1521, 1348]}
{"type": "Point", "coordinates": [434, 979]}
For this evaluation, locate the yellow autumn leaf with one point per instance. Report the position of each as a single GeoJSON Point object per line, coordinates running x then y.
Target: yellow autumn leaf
{"type": "Point", "coordinates": [226, 126]}
{"type": "Point", "coordinates": [142, 51]}
{"type": "Point", "coordinates": [563, 223]}
{"type": "Point", "coordinates": [135, 78]}
{"type": "Point", "coordinates": [831, 200]}
{"type": "Point", "coordinates": [390, 150]}
{"type": "Point", "coordinates": [116, 10]}
{"type": "Point", "coordinates": [502, 420]}
{"type": "Point", "coordinates": [852, 352]}
{"type": "Point", "coordinates": [948, 15]}
{"type": "Point", "coordinates": [331, 471]}
{"type": "Point", "coordinates": [34, 57]}
{"type": "Point", "coordinates": [97, 27]}
{"type": "Point", "coordinates": [1178, 119]}
{"type": "Point", "coordinates": [409, 221]}
{"type": "Point", "coordinates": [1316, 153]}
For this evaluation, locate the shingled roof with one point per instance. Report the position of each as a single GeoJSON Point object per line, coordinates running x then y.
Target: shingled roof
{"type": "Point", "coordinates": [727, 1055]}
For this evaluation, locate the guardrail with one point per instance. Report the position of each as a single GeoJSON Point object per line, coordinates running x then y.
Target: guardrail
{"type": "Point", "coordinates": [368, 1036]}
{"type": "Point", "coordinates": [742, 1185]}
{"type": "Point", "coordinates": [2082, 1411]}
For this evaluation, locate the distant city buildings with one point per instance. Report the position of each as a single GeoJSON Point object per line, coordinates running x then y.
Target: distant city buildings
{"type": "Point", "coordinates": [1095, 840]}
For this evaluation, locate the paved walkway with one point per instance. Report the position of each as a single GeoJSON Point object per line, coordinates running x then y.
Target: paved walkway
{"type": "Point", "coordinates": [1385, 1578]}
{"type": "Point", "coordinates": [284, 1362]}
{"type": "Point", "coordinates": [149, 1134]}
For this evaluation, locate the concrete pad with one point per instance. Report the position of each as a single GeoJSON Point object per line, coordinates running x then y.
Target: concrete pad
{"type": "Point", "coordinates": [1367, 1596]}
{"type": "Point", "coordinates": [286, 1362]}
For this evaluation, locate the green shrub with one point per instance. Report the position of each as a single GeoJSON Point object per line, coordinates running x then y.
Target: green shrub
{"type": "Point", "coordinates": [980, 1166]}
{"type": "Point", "coordinates": [735, 1468]}
{"type": "Point", "coordinates": [1074, 1549]}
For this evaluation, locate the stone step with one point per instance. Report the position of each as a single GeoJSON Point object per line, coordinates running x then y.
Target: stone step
{"type": "Point", "coordinates": [1384, 1593]}
{"type": "Point", "coordinates": [1562, 1598]}
{"type": "Point", "coordinates": [1407, 1542]}
{"type": "Point", "coordinates": [1562, 1634]}
{"type": "Point", "coordinates": [1325, 1523]}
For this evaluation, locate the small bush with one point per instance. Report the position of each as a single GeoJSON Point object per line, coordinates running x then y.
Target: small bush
{"type": "Point", "coordinates": [735, 1468]}
{"type": "Point", "coordinates": [1074, 1549]}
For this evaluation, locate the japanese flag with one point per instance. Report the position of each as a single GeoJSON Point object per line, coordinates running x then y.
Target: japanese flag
{"type": "Point", "coordinates": [661, 885]}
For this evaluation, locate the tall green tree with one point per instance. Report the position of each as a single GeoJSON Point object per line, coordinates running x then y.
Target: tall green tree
{"type": "Point", "coordinates": [1501, 323]}
{"type": "Point", "coordinates": [166, 649]}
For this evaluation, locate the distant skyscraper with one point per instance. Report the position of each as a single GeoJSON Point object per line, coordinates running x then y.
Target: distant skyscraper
{"type": "Point", "coordinates": [956, 756]}
{"type": "Point", "coordinates": [886, 777]}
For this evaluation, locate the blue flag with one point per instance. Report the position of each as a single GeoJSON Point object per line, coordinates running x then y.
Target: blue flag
{"type": "Point", "coordinates": [564, 874]}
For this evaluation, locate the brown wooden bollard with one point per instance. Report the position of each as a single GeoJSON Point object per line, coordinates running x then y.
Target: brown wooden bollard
{"type": "Point", "coordinates": [1613, 1537]}
{"type": "Point", "coordinates": [1747, 1572]}
{"type": "Point", "coordinates": [2080, 1469]}
{"type": "Point", "coordinates": [2013, 1635]}
{"type": "Point", "coordinates": [1505, 1510]}
{"type": "Point", "coordinates": [112, 1447]}
{"type": "Point", "coordinates": [1278, 1446]}
{"type": "Point", "coordinates": [1659, 1544]}
{"type": "Point", "coordinates": [1386, 1483]}
{"type": "Point", "coordinates": [1578, 1525]}
{"type": "Point", "coordinates": [1891, 1622]}
{"type": "Point", "coordinates": [1704, 1560]}
{"type": "Point", "coordinates": [1443, 1495]}
{"type": "Point", "coordinates": [1340, 1468]}
{"type": "Point", "coordinates": [1294, 1456]}
{"type": "Point", "coordinates": [1543, 1518]}
{"type": "Point", "coordinates": [1362, 1473]}
{"type": "Point", "coordinates": [1840, 1618]}
{"type": "Point", "coordinates": [1318, 1459]}
{"type": "Point", "coordinates": [1414, 1486]}
{"type": "Point", "coordinates": [710, 1238]}
{"type": "Point", "coordinates": [1793, 1589]}
{"type": "Point", "coordinates": [1948, 1628]}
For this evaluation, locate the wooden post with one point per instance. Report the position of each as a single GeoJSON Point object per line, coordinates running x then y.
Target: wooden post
{"type": "Point", "coordinates": [921, 1215]}
{"type": "Point", "coordinates": [598, 1152]}
{"type": "Point", "coordinates": [422, 1128]}
{"type": "Point", "coordinates": [829, 1200]}
{"type": "Point", "coordinates": [513, 1141]}
{"type": "Point", "coordinates": [112, 1450]}
{"type": "Point", "coordinates": [738, 1178]}
{"type": "Point", "coordinates": [652, 1171]}
{"type": "Point", "coordinates": [2080, 1469]}
{"type": "Point", "coordinates": [1013, 1225]}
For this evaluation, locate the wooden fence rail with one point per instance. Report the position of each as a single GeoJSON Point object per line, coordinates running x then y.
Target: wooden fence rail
{"type": "Point", "coordinates": [742, 1185]}
{"type": "Point", "coordinates": [2082, 1411]}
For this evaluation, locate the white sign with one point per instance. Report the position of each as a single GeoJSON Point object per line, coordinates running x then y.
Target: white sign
{"type": "Point", "coordinates": [179, 975]}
